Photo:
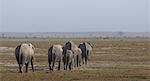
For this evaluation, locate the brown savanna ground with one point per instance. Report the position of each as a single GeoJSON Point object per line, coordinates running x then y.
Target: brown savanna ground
{"type": "Point", "coordinates": [113, 59]}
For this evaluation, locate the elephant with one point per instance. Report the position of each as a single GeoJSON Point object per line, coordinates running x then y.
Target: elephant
{"type": "Point", "coordinates": [69, 60]}
{"type": "Point", "coordinates": [77, 56]}
{"type": "Point", "coordinates": [55, 55]}
{"type": "Point", "coordinates": [76, 51]}
{"type": "Point", "coordinates": [86, 48]}
{"type": "Point", "coordinates": [24, 54]}
{"type": "Point", "coordinates": [68, 46]}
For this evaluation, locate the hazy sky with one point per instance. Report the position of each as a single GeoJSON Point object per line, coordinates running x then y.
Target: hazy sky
{"type": "Point", "coordinates": [74, 15]}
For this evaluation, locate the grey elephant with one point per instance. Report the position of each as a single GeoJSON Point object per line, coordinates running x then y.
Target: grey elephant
{"type": "Point", "coordinates": [24, 54]}
{"type": "Point", "coordinates": [68, 46]}
{"type": "Point", "coordinates": [55, 55]}
{"type": "Point", "coordinates": [69, 60]}
{"type": "Point", "coordinates": [86, 48]}
{"type": "Point", "coordinates": [76, 51]}
{"type": "Point", "coordinates": [77, 56]}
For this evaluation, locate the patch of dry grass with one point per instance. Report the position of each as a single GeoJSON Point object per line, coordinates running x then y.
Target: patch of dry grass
{"type": "Point", "coordinates": [94, 75]}
{"type": "Point", "coordinates": [111, 60]}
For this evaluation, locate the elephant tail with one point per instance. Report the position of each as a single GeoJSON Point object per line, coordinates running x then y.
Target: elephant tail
{"type": "Point", "coordinates": [17, 53]}
{"type": "Point", "coordinates": [20, 57]}
{"type": "Point", "coordinates": [50, 54]}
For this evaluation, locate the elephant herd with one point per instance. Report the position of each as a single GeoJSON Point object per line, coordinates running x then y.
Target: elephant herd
{"type": "Point", "coordinates": [70, 55]}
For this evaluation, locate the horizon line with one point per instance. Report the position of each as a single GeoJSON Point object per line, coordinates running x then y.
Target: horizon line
{"type": "Point", "coordinates": [81, 32]}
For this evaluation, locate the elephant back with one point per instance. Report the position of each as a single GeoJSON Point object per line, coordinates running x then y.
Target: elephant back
{"type": "Point", "coordinates": [27, 49]}
{"type": "Point", "coordinates": [57, 48]}
{"type": "Point", "coordinates": [77, 51]}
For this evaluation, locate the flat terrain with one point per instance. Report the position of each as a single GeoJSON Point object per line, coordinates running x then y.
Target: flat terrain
{"type": "Point", "coordinates": [112, 59]}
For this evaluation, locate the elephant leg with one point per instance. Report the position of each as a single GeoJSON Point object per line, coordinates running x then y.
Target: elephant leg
{"type": "Point", "coordinates": [26, 67]}
{"type": "Point", "coordinates": [59, 65]}
{"type": "Point", "coordinates": [50, 65]}
{"type": "Point", "coordinates": [70, 64]}
{"type": "Point", "coordinates": [32, 64]}
{"type": "Point", "coordinates": [64, 62]}
{"type": "Point", "coordinates": [20, 68]}
{"type": "Point", "coordinates": [66, 66]}
{"type": "Point", "coordinates": [86, 57]}
{"type": "Point", "coordinates": [53, 61]}
{"type": "Point", "coordinates": [83, 58]}
{"type": "Point", "coordinates": [21, 62]}
{"type": "Point", "coordinates": [77, 60]}
{"type": "Point", "coordinates": [67, 61]}
{"type": "Point", "coordinates": [80, 59]}
{"type": "Point", "coordinates": [53, 65]}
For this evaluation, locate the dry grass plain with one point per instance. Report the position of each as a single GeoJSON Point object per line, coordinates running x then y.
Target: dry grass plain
{"type": "Point", "coordinates": [113, 59]}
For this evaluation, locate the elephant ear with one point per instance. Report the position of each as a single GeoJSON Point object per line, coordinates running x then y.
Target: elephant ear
{"type": "Point", "coordinates": [81, 45]}
{"type": "Point", "coordinates": [90, 44]}
{"type": "Point", "coordinates": [68, 45]}
{"type": "Point", "coordinates": [33, 47]}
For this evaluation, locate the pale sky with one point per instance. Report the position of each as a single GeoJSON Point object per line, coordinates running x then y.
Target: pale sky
{"type": "Point", "coordinates": [74, 15]}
